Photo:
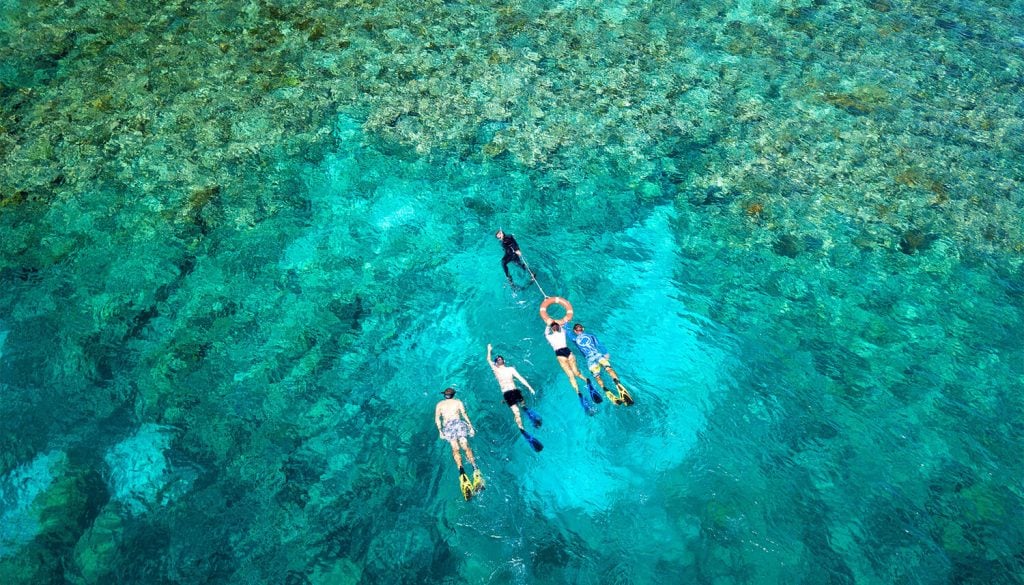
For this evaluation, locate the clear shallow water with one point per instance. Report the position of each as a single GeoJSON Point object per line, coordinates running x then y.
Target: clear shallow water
{"type": "Point", "coordinates": [245, 247]}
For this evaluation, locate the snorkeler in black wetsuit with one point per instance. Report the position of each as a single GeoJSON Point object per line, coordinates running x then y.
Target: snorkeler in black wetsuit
{"type": "Point", "coordinates": [512, 253]}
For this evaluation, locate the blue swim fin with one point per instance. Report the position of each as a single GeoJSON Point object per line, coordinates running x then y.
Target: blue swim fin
{"type": "Point", "coordinates": [532, 441]}
{"type": "Point", "coordinates": [587, 406]}
{"type": "Point", "coordinates": [594, 394]}
{"type": "Point", "coordinates": [533, 416]}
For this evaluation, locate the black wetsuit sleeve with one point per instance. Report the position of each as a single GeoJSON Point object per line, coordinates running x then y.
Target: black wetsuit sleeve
{"type": "Point", "coordinates": [510, 244]}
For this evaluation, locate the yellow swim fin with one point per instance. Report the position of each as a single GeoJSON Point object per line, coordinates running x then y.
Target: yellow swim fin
{"type": "Point", "coordinates": [611, 397]}
{"type": "Point", "coordinates": [624, 395]}
{"type": "Point", "coordinates": [466, 486]}
{"type": "Point", "coordinates": [478, 481]}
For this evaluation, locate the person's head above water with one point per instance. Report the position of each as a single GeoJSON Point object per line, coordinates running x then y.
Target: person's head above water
{"type": "Point", "coordinates": [499, 360]}
{"type": "Point", "coordinates": [449, 392]}
{"type": "Point", "coordinates": [577, 327]}
{"type": "Point", "coordinates": [555, 326]}
{"type": "Point", "coordinates": [499, 234]}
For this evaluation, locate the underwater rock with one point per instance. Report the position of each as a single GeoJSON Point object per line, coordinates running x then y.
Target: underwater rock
{"type": "Point", "coordinates": [788, 245]}
{"type": "Point", "coordinates": [317, 32]}
{"type": "Point", "coordinates": [914, 240]}
{"type": "Point", "coordinates": [864, 242]}
{"type": "Point", "coordinates": [479, 206]}
{"type": "Point", "coordinates": [861, 101]}
{"type": "Point", "coordinates": [746, 38]}
{"type": "Point", "coordinates": [953, 538]}
{"type": "Point", "coordinates": [493, 149]}
{"type": "Point", "coordinates": [97, 550]}
{"type": "Point", "coordinates": [339, 571]}
{"type": "Point", "coordinates": [140, 474]}
{"type": "Point", "coordinates": [45, 505]}
{"type": "Point", "coordinates": [787, 284]}
{"type": "Point", "coordinates": [917, 178]}
{"type": "Point", "coordinates": [16, 198]}
{"type": "Point", "coordinates": [46, 496]}
{"type": "Point", "coordinates": [412, 544]}
{"type": "Point", "coordinates": [650, 191]}
{"type": "Point", "coordinates": [201, 208]}
{"type": "Point", "coordinates": [812, 243]}
{"type": "Point", "coordinates": [19, 491]}
{"type": "Point", "coordinates": [488, 131]}
{"type": "Point", "coordinates": [713, 195]}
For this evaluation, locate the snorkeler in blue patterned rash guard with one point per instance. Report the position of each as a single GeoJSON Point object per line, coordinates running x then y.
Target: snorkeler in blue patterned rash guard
{"type": "Point", "coordinates": [597, 357]}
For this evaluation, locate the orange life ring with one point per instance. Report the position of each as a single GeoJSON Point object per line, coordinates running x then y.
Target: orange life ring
{"type": "Point", "coordinates": [556, 301]}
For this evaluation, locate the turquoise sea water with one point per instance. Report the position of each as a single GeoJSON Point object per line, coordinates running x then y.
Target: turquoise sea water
{"type": "Point", "coordinates": [245, 245]}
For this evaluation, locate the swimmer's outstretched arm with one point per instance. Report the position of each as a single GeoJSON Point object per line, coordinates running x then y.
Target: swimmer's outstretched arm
{"type": "Point", "coordinates": [490, 362]}
{"type": "Point", "coordinates": [519, 377]}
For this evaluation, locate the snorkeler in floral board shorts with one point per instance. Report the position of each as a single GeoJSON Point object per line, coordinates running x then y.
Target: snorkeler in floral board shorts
{"type": "Point", "coordinates": [454, 426]}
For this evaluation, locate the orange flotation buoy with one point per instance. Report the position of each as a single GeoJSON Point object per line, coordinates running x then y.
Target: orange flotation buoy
{"type": "Point", "coordinates": [556, 301]}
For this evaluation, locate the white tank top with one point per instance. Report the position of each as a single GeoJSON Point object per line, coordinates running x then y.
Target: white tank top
{"type": "Point", "coordinates": [555, 338]}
